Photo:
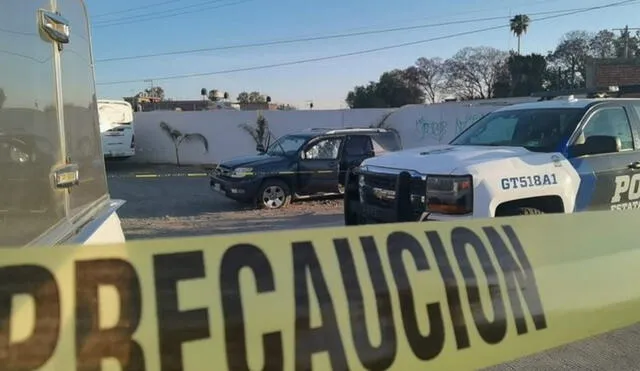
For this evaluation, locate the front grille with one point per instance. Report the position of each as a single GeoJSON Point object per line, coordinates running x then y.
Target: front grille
{"type": "Point", "coordinates": [379, 190]}
{"type": "Point", "coordinates": [384, 181]}
{"type": "Point", "coordinates": [373, 190]}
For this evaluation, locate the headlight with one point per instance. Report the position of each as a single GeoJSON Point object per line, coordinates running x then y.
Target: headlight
{"type": "Point", "coordinates": [449, 194]}
{"type": "Point", "coordinates": [242, 172]}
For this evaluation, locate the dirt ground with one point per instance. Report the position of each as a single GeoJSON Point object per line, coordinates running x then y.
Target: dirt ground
{"type": "Point", "coordinates": [175, 204]}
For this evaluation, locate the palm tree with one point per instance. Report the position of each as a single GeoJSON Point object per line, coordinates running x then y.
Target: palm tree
{"type": "Point", "coordinates": [177, 137]}
{"type": "Point", "coordinates": [519, 26]}
{"type": "Point", "coordinates": [260, 132]}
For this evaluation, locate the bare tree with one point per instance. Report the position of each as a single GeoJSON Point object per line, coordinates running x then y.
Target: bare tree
{"type": "Point", "coordinates": [473, 71]}
{"type": "Point", "coordinates": [432, 78]}
{"type": "Point", "coordinates": [243, 97]}
{"type": "Point", "coordinates": [177, 137]}
{"type": "Point", "coordinates": [603, 44]}
{"type": "Point", "coordinates": [256, 97]}
{"type": "Point", "coordinates": [570, 57]}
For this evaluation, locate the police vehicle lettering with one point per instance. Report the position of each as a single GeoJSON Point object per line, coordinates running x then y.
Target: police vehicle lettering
{"type": "Point", "coordinates": [627, 188]}
{"type": "Point", "coordinates": [529, 181]}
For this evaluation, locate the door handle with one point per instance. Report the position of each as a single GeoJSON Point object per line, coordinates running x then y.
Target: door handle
{"type": "Point", "coordinates": [55, 26]}
{"type": "Point", "coordinates": [66, 176]}
{"type": "Point", "coordinates": [634, 165]}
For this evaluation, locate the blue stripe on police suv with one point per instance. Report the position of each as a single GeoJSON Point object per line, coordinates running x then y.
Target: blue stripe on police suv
{"type": "Point", "coordinates": [587, 183]}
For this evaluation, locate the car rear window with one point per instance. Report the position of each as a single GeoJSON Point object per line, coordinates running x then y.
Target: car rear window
{"type": "Point", "coordinates": [388, 141]}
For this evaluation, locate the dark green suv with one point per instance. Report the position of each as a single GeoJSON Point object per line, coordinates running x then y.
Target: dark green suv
{"type": "Point", "coordinates": [300, 165]}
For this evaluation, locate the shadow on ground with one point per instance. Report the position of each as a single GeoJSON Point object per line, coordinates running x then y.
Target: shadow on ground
{"type": "Point", "coordinates": [184, 197]}
{"type": "Point", "coordinates": [181, 227]}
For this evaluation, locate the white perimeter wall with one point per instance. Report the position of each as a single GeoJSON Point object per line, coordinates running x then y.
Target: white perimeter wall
{"type": "Point", "coordinates": [418, 125]}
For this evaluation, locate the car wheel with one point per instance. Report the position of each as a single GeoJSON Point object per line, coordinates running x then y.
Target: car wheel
{"type": "Point", "coordinates": [273, 194]}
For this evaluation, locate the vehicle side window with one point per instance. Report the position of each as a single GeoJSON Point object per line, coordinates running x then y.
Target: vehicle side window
{"type": "Point", "coordinates": [358, 145]}
{"type": "Point", "coordinates": [326, 149]}
{"type": "Point", "coordinates": [610, 121]}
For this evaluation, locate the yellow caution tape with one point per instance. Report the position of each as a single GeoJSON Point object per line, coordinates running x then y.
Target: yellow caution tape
{"type": "Point", "coordinates": [414, 296]}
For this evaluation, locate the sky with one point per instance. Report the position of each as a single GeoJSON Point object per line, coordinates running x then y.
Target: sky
{"type": "Point", "coordinates": [122, 28]}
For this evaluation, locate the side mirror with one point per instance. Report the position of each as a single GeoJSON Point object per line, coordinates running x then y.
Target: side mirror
{"type": "Point", "coordinates": [595, 145]}
{"type": "Point", "coordinates": [260, 148]}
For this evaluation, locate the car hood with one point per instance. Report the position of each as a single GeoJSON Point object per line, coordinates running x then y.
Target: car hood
{"type": "Point", "coordinates": [251, 161]}
{"type": "Point", "coordinates": [444, 159]}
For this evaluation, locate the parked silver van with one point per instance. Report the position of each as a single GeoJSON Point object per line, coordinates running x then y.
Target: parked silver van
{"type": "Point", "coordinates": [53, 186]}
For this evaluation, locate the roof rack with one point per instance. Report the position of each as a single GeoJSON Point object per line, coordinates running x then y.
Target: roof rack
{"type": "Point", "coordinates": [346, 130]}
{"type": "Point", "coordinates": [352, 130]}
{"type": "Point", "coordinates": [317, 129]}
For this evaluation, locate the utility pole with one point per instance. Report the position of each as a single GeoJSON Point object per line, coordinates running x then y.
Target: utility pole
{"type": "Point", "coordinates": [626, 36]}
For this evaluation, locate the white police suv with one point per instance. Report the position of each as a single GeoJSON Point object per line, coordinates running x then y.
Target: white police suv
{"type": "Point", "coordinates": [558, 156]}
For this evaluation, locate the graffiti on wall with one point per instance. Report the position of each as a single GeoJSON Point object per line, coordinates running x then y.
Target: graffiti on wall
{"type": "Point", "coordinates": [463, 123]}
{"type": "Point", "coordinates": [431, 129]}
{"type": "Point", "coordinates": [437, 129]}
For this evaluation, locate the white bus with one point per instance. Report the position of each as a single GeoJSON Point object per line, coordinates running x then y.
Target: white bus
{"type": "Point", "coordinates": [116, 129]}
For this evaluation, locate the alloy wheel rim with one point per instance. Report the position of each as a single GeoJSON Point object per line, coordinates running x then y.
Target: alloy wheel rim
{"type": "Point", "coordinates": [273, 197]}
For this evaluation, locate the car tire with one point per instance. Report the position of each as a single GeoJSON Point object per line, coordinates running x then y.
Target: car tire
{"type": "Point", "coordinates": [522, 211]}
{"type": "Point", "coordinates": [273, 194]}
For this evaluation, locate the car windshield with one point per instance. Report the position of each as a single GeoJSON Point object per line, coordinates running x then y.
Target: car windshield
{"type": "Point", "coordinates": [539, 130]}
{"type": "Point", "coordinates": [287, 145]}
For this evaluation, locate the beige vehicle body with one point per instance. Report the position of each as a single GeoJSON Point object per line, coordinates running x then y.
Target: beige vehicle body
{"type": "Point", "coordinates": [53, 185]}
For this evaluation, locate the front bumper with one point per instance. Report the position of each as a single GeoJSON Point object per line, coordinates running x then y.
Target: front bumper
{"type": "Point", "coordinates": [118, 153]}
{"type": "Point", "coordinates": [244, 190]}
{"type": "Point", "coordinates": [385, 198]}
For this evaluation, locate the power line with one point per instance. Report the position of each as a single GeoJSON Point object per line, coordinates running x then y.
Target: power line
{"type": "Point", "coordinates": [165, 13]}
{"type": "Point", "coordinates": [323, 37]}
{"type": "Point", "coordinates": [135, 9]}
{"type": "Point", "coordinates": [289, 41]}
{"type": "Point", "coordinates": [366, 51]}
{"type": "Point", "coordinates": [171, 11]}
{"type": "Point", "coordinates": [142, 7]}
{"type": "Point", "coordinates": [451, 15]}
